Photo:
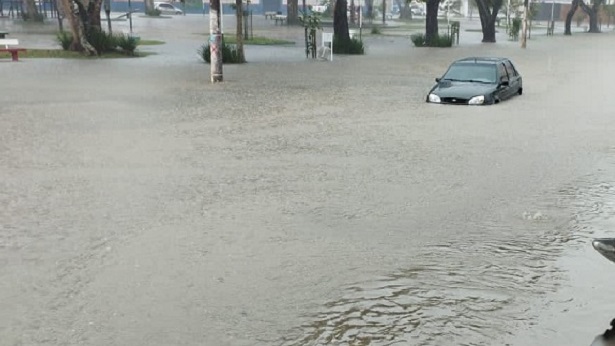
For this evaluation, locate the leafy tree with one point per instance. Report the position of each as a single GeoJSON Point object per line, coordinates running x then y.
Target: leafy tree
{"type": "Point", "coordinates": [431, 22]}
{"type": "Point", "coordinates": [609, 11]}
{"type": "Point", "coordinates": [488, 12]}
{"type": "Point", "coordinates": [239, 34]}
{"type": "Point", "coordinates": [149, 7]}
{"type": "Point", "coordinates": [84, 19]}
{"type": "Point", "coordinates": [404, 11]}
{"type": "Point", "coordinates": [570, 15]}
{"type": "Point", "coordinates": [30, 11]}
{"type": "Point", "coordinates": [340, 20]}
{"type": "Point", "coordinates": [592, 10]}
{"type": "Point", "coordinates": [293, 11]}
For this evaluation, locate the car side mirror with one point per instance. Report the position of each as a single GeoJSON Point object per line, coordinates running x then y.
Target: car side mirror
{"type": "Point", "coordinates": [437, 80]}
{"type": "Point", "coordinates": [504, 83]}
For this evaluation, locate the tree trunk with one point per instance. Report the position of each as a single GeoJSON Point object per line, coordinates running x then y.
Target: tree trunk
{"type": "Point", "coordinates": [431, 22]}
{"type": "Point", "coordinates": [570, 15]}
{"type": "Point", "coordinates": [487, 18]}
{"type": "Point", "coordinates": [94, 15]}
{"type": "Point", "coordinates": [239, 14]}
{"type": "Point", "coordinates": [369, 4]}
{"type": "Point", "coordinates": [292, 9]}
{"type": "Point", "coordinates": [340, 21]}
{"type": "Point", "coordinates": [524, 24]}
{"type": "Point", "coordinates": [31, 12]}
{"type": "Point", "coordinates": [592, 12]}
{"type": "Point", "coordinates": [76, 20]}
{"type": "Point", "coordinates": [404, 11]}
{"type": "Point", "coordinates": [215, 42]}
{"type": "Point", "coordinates": [352, 12]}
{"type": "Point", "coordinates": [149, 6]}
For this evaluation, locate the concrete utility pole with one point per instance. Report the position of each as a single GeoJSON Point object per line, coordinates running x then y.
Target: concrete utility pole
{"type": "Point", "coordinates": [524, 26]}
{"type": "Point", "coordinates": [215, 41]}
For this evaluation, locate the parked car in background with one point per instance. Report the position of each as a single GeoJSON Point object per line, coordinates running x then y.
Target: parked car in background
{"type": "Point", "coordinates": [167, 8]}
{"type": "Point", "coordinates": [477, 81]}
{"type": "Point", "coordinates": [417, 10]}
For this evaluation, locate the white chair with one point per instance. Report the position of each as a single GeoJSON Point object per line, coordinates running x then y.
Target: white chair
{"type": "Point", "coordinates": [327, 44]}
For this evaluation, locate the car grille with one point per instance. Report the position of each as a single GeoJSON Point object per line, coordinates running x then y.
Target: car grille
{"type": "Point", "coordinates": [454, 100]}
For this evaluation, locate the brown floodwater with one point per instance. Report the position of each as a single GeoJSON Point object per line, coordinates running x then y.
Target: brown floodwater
{"type": "Point", "coordinates": [305, 203]}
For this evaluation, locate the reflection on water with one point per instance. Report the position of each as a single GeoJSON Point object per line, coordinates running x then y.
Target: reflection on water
{"type": "Point", "coordinates": [468, 291]}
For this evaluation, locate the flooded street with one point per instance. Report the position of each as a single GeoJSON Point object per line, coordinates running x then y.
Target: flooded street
{"type": "Point", "coordinates": [306, 203]}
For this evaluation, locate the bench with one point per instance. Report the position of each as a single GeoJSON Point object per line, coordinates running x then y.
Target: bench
{"type": "Point", "coordinates": [280, 18]}
{"type": "Point", "coordinates": [270, 15]}
{"type": "Point", "coordinates": [6, 42]}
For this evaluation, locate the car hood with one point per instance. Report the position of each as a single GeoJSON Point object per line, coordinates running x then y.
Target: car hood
{"type": "Point", "coordinates": [463, 90]}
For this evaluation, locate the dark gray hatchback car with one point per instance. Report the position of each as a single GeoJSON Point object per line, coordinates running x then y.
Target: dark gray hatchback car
{"type": "Point", "coordinates": [477, 81]}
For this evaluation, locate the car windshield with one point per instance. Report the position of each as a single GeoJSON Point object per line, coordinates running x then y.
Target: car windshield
{"type": "Point", "coordinates": [484, 73]}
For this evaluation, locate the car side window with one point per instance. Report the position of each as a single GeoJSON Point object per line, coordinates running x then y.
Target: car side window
{"type": "Point", "coordinates": [511, 69]}
{"type": "Point", "coordinates": [502, 72]}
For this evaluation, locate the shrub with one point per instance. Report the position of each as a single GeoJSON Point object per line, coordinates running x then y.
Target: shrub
{"type": "Point", "coordinates": [445, 40]}
{"type": "Point", "coordinates": [376, 30]}
{"type": "Point", "coordinates": [153, 13]}
{"type": "Point", "coordinates": [127, 43]}
{"type": "Point", "coordinates": [230, 54]}
{"type": "Point", "coordinates": [418, 40]}
{"type": "Point", "coordinates": [64, 39]}
{"type": "Point", "coordinates": [101, 41]}
{"type": "Point", "coordinates": [354, 46]}
{"type": "Point", "coordinates": [515, 28]}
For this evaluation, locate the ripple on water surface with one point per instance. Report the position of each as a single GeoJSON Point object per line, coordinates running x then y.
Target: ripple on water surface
{"type": "Point", "coordinates": [471, 291]}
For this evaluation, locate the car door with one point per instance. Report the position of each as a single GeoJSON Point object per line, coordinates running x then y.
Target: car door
{"type": "Point", "coordinates": [503, 91]}
{"type": "Point", "coordinates": [514, 77]}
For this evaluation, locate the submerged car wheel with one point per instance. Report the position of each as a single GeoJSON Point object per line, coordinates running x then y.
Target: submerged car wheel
{"type": "Point", "coordinates": [520, 92]}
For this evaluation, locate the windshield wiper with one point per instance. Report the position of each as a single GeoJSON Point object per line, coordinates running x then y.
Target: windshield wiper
{"type": "Point", "coordinates": [467, 80]}
{"type": "Point", "coordinates": [477, 81]}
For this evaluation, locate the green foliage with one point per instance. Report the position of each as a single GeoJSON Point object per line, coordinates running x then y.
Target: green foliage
{"type": "Point", "coordinates": [311, 21]}
{"type": "Point", "coordinates": [64, 39]}
{"type": "Point", "coordinates": [353, 46]}
{"type": "Point", "coordinates": [376, 30]}
{"type": "Point", "coordinates": [101, 41]}
{"type": "Point", "coordinates": [153, 13]}
{"type": "Point", "coordinates": [515, 28]}
{"type": "Point", "coordinates": [127, 43]}
{"type": "Point", "coordinates": [442, 41]}
{"type": "Point", "coordinates": [230, 54]}
{"type": "Point", "coordinates": [533, 10]}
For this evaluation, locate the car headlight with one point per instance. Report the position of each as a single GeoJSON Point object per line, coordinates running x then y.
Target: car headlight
{"type": "Point", "coordinates": [477, 100]}
{"type": "Point", "coordinates": [433, 98]}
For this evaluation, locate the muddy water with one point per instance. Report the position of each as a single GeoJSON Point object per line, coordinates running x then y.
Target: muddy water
{"type": "Point", "coordinates": [303, 203]}
{"type": "Point", "coordinates": [482, 291]}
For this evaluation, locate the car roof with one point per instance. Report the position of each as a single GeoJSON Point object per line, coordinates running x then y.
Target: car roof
{"type": "Point", "coordinates": [481, 59]}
